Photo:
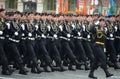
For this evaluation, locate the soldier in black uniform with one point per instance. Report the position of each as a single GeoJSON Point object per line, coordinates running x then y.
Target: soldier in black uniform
{"type": "Point", "coordinates": [87, 40]}
{"type": "Point", "coordinates": [79, 50]}
{"type": "Point", "coordinates": [100, 57]}
{"type": "Point", "coordinates": [30, 44]}
{"type": "Point", "coordinates": [110, 41]}
{"type": "Point", "coordinates": [42, 44]}
{"type": "Point", "coordinates": [117, 36]}
{"type": "Point", "coordinates": [3, 58]}
{"type": "Point", "coordinates": [65, 36]}
{"type": "Point", "coordinates": [14, 32]}
{"type": "Point", "coordinates": [53, 39]}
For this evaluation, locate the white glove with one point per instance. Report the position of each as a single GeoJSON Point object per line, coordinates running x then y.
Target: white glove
{"type": "Point", "coordinates": [55, 36]}
{"type": "Point", "coordinates": [48, 28]}
{"type": "Point", "coordinates": [116, 28]}
{"type": "Point", "coordinates": [43, 36]}
{"type": "Point", "coordinates": [106, 29]}
{"type": "Point", "coordinates": [36, 27]}
{"type": "Point", "coordinates": [8, 25]}
{"type": "Point", "coordinates": [97, 22]}
{"type": "Point", "coordinates": [88, 36]}
{"type": "Point", "coordinates": [1, 32]}
{"type": "Point", "coordinates": [23, 34]}
{"type": "Point", "coordinates": [29, 34]}
{"type": "Point", "coordinates": [61, 29]}
{"type": "Point", "coordinates": [111, 35]}
{"type": "Point", "coordinates": [16, 33]}
{"type": "Point", "coordinates": [68, 35]}
{"type": "Point", "coordinates": [23, 27]}
{"type": "Point", "coordinates": [79, 33]}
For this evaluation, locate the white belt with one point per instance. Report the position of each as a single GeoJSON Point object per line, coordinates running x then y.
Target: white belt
{"type": "Point", "coordinates": [77, 37]}
{"type": "Point", "coordinates": [117, 37]}
{"type": "Point", "coordinates": [17, 41]}
{"type": "Point", "coordinates": [110, 38]}
{"type": "Point", "coordinates": [23, 38]}
{"type": "Point", "coordinates": [86, 39]}
{"type": "Point", "coordinates": [31, 39]}
{"type": "Point", "coordinates": [2, 38]}
{"type": "Point", "coordinates": [64, 38]}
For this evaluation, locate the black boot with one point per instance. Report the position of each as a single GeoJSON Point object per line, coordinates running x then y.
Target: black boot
{"type": "Point", "coordinates": [62, 68]}
{"type": "Point", "coordinates": [72, 67]}
{"type": "Point", "coordinates": [47, 69]}
{"type": "Point", "coordinates": [91, 75]}
{"type": "Point", "coordinates": [33, 70]}
{"type": "Point", "coordinates": [23, 71]}
{"type": "Point", "coordinates": [6, 72]}
{"type": "Point", "coordinates": [108, 74]}
{"type": "Point", "coordinates": [110, 64]}
{"type": "Point", "coordinates": [77, 63]}
{"type": "Point", "coordinates": [52, 67]}
{"type": "Point", "coordinates": [86, 66]}
{"type": "Point", "coordinates": [39, 70]}
{"type": "Point", "coordinates": [116, 66]}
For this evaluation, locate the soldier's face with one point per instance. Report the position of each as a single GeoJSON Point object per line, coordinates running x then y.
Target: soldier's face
{"type": "Point", "coordinates": [102, 23]}
{"type": "Point", "coordinates": [23, 17]}
{"type": "Point", "coordinates": [2, 13]}
{"type": "Point", "coordinates": [37, 17]}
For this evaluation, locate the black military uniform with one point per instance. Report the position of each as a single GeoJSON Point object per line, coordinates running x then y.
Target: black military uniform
{"type": "Point", "coordinates": [87, 40]}
{"type": "Point", "coordinates": [42, 42]}
{"type": "Point", "coordinates": [110, 44]}
{"type": "Point", "coordinates": [100, 56]}
{"type": "Point", "coordinates": [117, 37]}
{"type": "Point", "coordinates": [3, 58]}
{"type": "Point", "coordinates": [14, 32]}
{"type": "Point", "coordinates": [65, 36]}
{"type": "Point", "coordinates": [52, 32]}
{"type": "Point", "coordinates": [30, 44]}
{"type": "Point", "coordinates": [79, 50]}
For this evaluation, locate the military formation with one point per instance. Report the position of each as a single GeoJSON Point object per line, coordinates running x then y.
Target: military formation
{"type": "Point", "coordinates": [47, 42]}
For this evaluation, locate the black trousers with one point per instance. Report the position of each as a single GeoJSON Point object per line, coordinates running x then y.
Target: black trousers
{"type": "Point", "coordinates": [23, 51]}
{"type": "Point", "coordinates": [88, 50]}
{"type": "Point", "coordinates": [111, 50]}
{"type": "Point", "coordinates": [117, 46]}
{"type": "Point", "coordinates": [79, 50]}
{"type": "Point", "coordinates": [66, 50]}
{"type": "Point", "coordinates": [54, 52]}
{"type": "Point", "coordinates": [100, 57]}
{"type": "Point", "coordinates": [3, 57]}
{"type": "Point", "coordinates": [13, 48]}
{"type": "Point", "coordinates": [31, 55]}
{"type": "Point", "coordinates": [44, 52]}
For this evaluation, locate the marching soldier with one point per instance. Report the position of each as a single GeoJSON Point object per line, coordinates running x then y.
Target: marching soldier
{"type": "Point", "coordinates": [42, 44]}
{"type": "Point", "coordinates": [100, 57]}
{"type": "Point", "coordinates": [30, 44]}
{"type": "Point", "coordinates": [117, 36]}
{"type": "Point", "coordinates": [65, 36]}
{"type": "Point", "coordinates": [14, 33]}
{"type": "Point", "coordinates": [3, 58]}
{"type": "Point", "coordinates": [79, 50]}
{"type": "Point", "coordinates": [87, 40]}
{"type": "Point", "coordinates": [110, 41]}
{"type": "Point", "coordinates": [53, 48]}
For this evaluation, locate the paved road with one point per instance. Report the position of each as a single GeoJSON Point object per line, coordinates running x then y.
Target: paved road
{"type": "Point", "coordinates": [79, 74]}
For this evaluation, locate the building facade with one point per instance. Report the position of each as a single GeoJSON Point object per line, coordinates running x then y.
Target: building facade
{"type": "Point", "coordinates": [52, 6]}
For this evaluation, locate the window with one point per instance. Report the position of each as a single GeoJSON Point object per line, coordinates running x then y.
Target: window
{"type": "Point", "coordinates": [71, 5]}
{"type": "Point", "coordinates": [11, 4]}
{"type": "Point", "coordinates": [49, 5]}
{"type": "Point", "coordinates": [30, 6]}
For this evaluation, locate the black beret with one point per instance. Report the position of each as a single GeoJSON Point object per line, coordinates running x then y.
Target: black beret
{"type": "Point", "coordinates": [101, 19]}
{"type": "Point", "coordinates": [2, 9]}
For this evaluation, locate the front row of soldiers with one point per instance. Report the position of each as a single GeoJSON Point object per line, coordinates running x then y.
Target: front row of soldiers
{"type": "Point", "coordinates": [58, 40]}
